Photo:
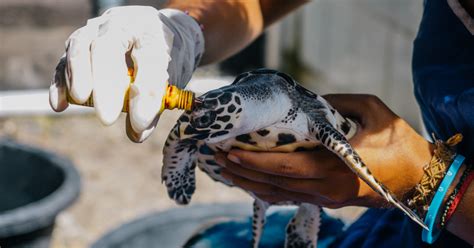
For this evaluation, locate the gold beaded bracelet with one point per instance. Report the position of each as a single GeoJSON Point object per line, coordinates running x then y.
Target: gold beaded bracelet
{"type": "Point", "coordinates": [420, 196]}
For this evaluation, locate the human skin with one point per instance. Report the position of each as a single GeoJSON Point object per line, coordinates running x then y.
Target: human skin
{"type": "Point", "coordinates": [230, 25]}
{"type": "Point", "coordinates": [383, 140]}
{"type": "Point", "coordinates": [394, 152]}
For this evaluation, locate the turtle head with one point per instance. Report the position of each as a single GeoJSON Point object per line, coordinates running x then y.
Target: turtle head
{"type": "Point", "coordinates": [213, 118]}
{"type": "Point", "coordinates": [231, 111]}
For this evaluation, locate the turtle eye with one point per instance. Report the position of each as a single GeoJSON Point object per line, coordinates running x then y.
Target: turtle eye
{"type": "Point", "coordinates": [205, 120]}
{"type": "Point", "coordinates": [210, 104]}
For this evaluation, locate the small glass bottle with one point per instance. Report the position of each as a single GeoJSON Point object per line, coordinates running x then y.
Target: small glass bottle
{"type": "Point", "coordinates": [173, 98]}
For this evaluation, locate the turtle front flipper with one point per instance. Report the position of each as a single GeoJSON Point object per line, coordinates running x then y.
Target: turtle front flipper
{"type": "Point", "coordinates": [334, 141]}
{"type": "Point", "coordinates": [179, 163]}
{"type": "Point", "coordinates": [302, 231]}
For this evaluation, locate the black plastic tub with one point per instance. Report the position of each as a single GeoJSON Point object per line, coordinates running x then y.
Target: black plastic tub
{"type": "Point", "coordinates": [171, 228]}
{"type": "Point", "coordinates": [35, 186]}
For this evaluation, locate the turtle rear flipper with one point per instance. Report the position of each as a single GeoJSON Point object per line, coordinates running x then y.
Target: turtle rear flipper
{"type": "Point", "coordinates": [334, 141]}
{"type": "Point", "coordinates": [179, 163]}
{"type": "Point", "coordinates": [258, 220]}
{"type": "Point", "coordinates": [302, 231]}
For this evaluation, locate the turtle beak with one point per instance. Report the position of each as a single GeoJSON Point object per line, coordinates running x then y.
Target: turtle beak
{"type": "Point", "coordinates": [197, 103]}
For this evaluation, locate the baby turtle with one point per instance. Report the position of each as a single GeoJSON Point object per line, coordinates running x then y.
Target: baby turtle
{"type": "Point", "coordinates": [262, 110]}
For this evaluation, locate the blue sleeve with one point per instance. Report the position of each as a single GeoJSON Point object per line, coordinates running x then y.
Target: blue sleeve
{"type": "Point", "coordinates": [443, 74]}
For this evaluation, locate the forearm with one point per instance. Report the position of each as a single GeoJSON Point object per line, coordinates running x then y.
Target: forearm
{"type": "Point", "coordinates": [231, 25]}
{"type": "Point", "coordinates": [462, 221]}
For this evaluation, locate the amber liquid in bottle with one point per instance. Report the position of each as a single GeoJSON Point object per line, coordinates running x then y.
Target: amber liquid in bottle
{"type": "Point", "coordinates": [173, 98]}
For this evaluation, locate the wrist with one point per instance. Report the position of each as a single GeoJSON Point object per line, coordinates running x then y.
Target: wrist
{"type": "Point", "coordinates": [433, 212]}
{"type": "Point", "coordinates": [420, 159]}
{"type": "Point", "coordinates": [408, 172]}
{"type": "Point", "coordinates": [399, 167]}
{"type": "Point", "coordinates": [419, 198]}
{"type": "Point", "coordinates": [454, 192]}
{"type": "Point", "coordinates": [187, 47]}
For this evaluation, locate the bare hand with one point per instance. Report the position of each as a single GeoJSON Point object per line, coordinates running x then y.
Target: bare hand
{"type": "Point", "coordinates": [392, 150]}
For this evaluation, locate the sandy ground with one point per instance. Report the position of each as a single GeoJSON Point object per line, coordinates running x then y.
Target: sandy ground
{"type": "Point", "coordinates": [120, 179]}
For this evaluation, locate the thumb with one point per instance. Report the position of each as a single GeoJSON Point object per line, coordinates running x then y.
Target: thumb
{"type": "Point", "coordinates": [139, 137]}
{"type": "Point", "coordinates": [58, 88]}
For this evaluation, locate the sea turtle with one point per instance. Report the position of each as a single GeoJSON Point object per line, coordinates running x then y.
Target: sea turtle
{"type": "Point", "coordinates": [262, 110]}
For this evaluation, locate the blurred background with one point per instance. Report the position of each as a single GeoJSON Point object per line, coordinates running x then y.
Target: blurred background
{"type": "Point", "coordinates": [342, 46]}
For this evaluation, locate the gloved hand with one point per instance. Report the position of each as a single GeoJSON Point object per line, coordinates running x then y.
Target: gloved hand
{"type": "Point", "coordinates": [164, 45]}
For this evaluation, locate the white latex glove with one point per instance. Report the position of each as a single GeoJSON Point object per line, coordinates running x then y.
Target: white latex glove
{"type": "Point", "coordinates": [165, 45]}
